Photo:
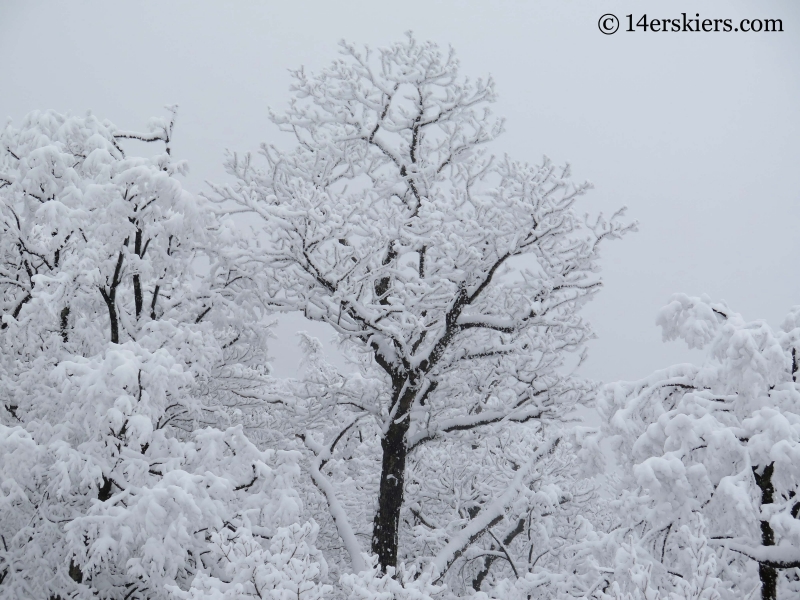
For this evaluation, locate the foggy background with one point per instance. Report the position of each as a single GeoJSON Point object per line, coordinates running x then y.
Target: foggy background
{"type": "Point", "coordinates": [697, 133]}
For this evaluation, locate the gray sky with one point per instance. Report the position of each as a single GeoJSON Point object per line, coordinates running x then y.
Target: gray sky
{"type": "Point", "coordinates": [697, 133]}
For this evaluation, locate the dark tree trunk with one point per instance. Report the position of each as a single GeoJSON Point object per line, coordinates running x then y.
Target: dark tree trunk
{"type": "Point", "coordinates": [104, 493]}
{"type": "Point", "coordinates": [75, 572]}
{"type": "Point", "coordinates": [386, 525]}
{"type": "Point", "coordinates": [393, 472]}
{"type": "Point", "coordinates": [137, 283]}
{"type": "Point", "coordinates": [112, 315]}
{"type": "Point", "coordinates": [767, 574]}
{"type": "Point", "coordinates": [110, 298]}
{"type": "Point", "coordinates": [390, 495]}
{"type": "Point", "coordinates": [65, 324]}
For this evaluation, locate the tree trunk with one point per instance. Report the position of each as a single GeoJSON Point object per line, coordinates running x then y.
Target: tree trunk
{"type": "Point", "coordinates": [137, 282]}
{"type": "Point", "coordinates": [390, 495]}
{"type": "Point", "coordinates": [65, 324]}
{"type": "Point", "coordinates": [767, 574]}
{"type": "Point", "coordinates": [110, 298]}
{"type": "Point", "coordinates": [112, 314]}
{"type": "Point", "coordinates": [406, 390]}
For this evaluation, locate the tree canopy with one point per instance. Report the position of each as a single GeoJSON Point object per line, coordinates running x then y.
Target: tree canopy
{"type": "Point", "coordinates": [147, 451]}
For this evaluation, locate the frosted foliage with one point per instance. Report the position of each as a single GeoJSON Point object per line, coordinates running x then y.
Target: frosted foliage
{"type": "Point", "coordinates": [635, 576]}
{"type": "Point", "coordinates": [147, 453]}
{"type": "Point", "coordinates": [454, 280]}
{"type": "Point", "coordinates": [126, 327]}
{"type": "Point", "coordinates": [289, 569]}
{"type": "Point", "coordinates": [403, 584]}
{"type": "Point", "coordinates": [717, 441]}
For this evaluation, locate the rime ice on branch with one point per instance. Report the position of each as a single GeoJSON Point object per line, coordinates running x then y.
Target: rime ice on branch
{"type": "Point", "coordinates": [118, 357]}
{"type": "Point", "coordinates": [720, 440]}
{"type": "Point", "coordinates": [455, 275]}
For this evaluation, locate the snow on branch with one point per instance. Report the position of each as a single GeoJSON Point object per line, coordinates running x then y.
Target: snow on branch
{"type": "Point", "coordinates": [777, 557]}
{"type": "Point", "coordinates": [488, 516]}
{"type": "Point", "coordinates": [337, 511]}
{"type": "Point", "coordinates": [466, 422]}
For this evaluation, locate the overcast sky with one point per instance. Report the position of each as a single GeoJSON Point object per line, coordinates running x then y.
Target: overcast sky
{"type": "Point", "coordinates": [697, 133]}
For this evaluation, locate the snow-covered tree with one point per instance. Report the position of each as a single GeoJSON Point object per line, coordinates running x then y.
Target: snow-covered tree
{"type": "Point", "coordinates": [126, 333]}
{"type": "Point", "coordinates": [454, 279]}
{"type": "Point", "coordinates": [720, 440]}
